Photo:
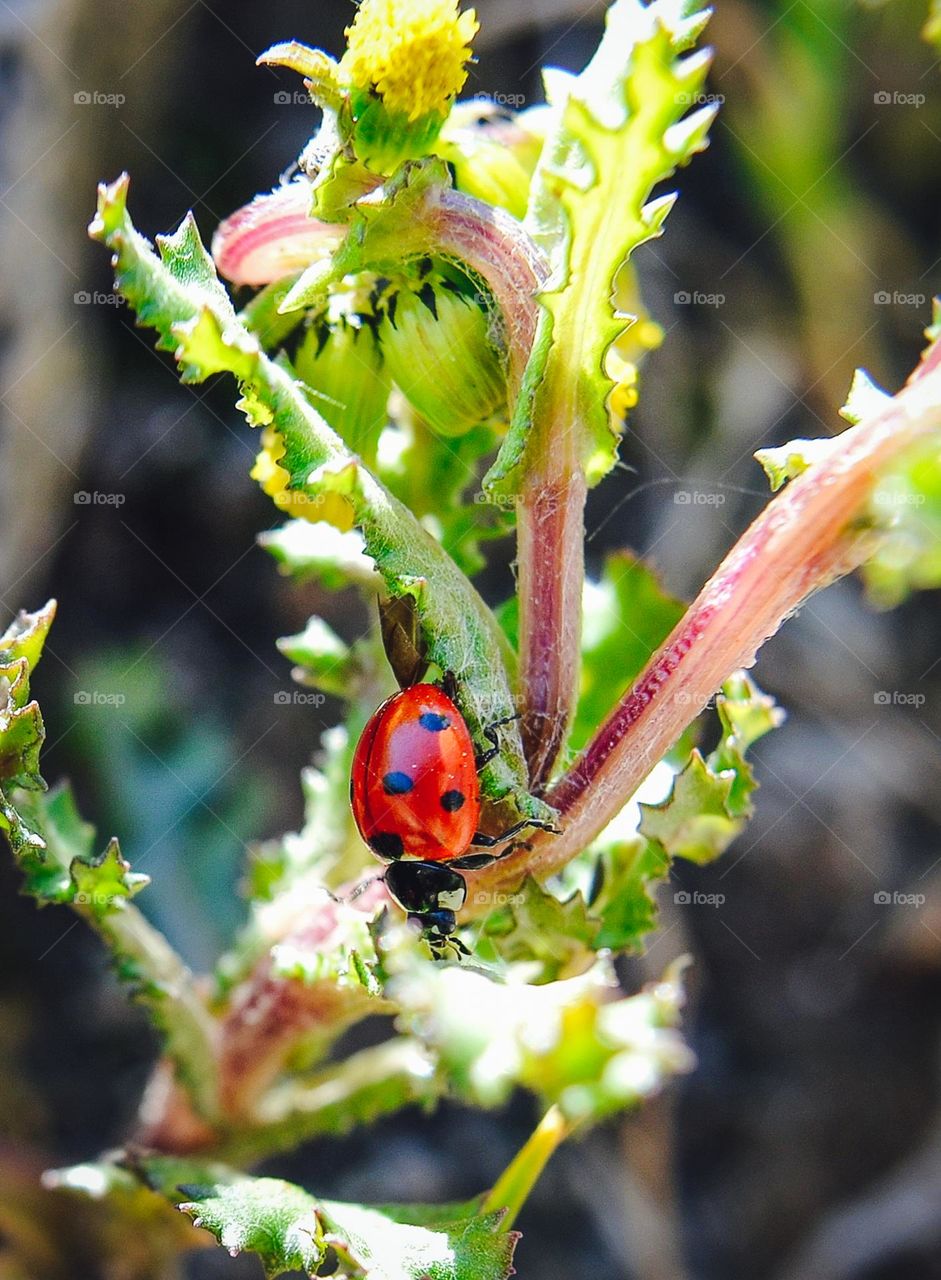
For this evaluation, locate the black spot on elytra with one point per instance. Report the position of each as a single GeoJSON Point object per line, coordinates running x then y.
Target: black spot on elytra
{"type": "Point", "coordinates": [434, 723]}
{"type": "Point", "coordinates": [396, 783]}
{"type": "Point", "coordinates": [387, 844]}
{"type": "Point", "coordinates": [451, 801]}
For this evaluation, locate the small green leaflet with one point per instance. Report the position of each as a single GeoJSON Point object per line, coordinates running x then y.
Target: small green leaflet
{"type": "Point", "coordinates": [289, 1229]}
{"type": "Point", "coordinates": [21, 726]}
{"type": "Point", "coordinates": [710, 798]}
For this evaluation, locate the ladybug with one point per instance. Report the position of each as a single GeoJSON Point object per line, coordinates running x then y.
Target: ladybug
{"type": "Point", "coordinates": [415, 796]}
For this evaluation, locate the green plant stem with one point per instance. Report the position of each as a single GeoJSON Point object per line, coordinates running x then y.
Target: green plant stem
{"type": "Point", "coordinates": [517, 1180]}
{"type": "Point", "coordinates": [145, 959]}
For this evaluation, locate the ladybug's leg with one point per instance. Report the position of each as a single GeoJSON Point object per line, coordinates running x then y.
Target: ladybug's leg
{"type": "Point", "coordinates": [483, 841]}
{"type": "Point", "coordinates": [449, 685]}
{"type": "Point", "coordinates": [490, 733]}
{"type": "Point", "coordinates": [474, 861]}
{"type": "Point", "coordinates": [439, 943]}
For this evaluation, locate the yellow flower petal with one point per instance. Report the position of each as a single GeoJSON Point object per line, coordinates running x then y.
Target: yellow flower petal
{"type": "Point", "coordinates": [414, 53]}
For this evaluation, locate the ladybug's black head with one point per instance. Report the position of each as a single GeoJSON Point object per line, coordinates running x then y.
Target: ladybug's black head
{"type": "Point", "coordinates": [428, 890]}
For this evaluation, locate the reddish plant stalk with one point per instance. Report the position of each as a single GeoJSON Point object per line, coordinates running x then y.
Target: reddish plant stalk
{"type": "Point", "coordinates": [550, 578]}
{"type": "Point", "coordinates": [495, 247]}
{"type": "Point", "coordinates": [804, 539]}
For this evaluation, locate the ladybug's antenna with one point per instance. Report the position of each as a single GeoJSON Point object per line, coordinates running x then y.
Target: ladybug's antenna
{"type": "Point", "coordinates": [359, 890]}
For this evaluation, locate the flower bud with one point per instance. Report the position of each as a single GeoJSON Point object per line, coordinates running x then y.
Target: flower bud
{"type": "Point", "coordinates": [340, 360]}
{"type": "Point", "coordinates": [440, 350]}
{"type": "Point", "coordinates": [406, 61]}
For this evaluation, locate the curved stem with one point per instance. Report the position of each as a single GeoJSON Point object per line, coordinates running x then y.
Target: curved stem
{"type": "Point", "coordinates": [803, 540]}
{"type": "Point", "coordinates": [494, 246]}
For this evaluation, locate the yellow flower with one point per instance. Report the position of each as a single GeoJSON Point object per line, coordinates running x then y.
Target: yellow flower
{"type": "Point", "coordinates": [273, 478]}
{"type": "Point", "coordinates": [414, 53]}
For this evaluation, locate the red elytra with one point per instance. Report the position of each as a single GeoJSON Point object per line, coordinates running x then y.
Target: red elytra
{"type": "Point", "coordinates": [414, 788]}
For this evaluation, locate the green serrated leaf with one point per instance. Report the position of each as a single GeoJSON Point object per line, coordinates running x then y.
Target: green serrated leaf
{"type": "Point", "coordinates": [625, 906]}
{"type": "Point", "coordinates": [47, 836]}
{"type": "Point", "coordinates": [745, 715]}
{"type": "Point", "coordinates": [864, 398]}
{"type": "Point", "coordinates": [21, 726]}
{"type": "Point", "coordinates": [206, 338]}
{"type": "Point", "coordinates": [477, 1248]}
{"type": "Point", "coordinates": [710, 798]}
{"type": "Point", "coordinates": [25, 637]}
{"type": "Point", "coordinates": [101, 883]}
{"type": "Point", "coordinates": [289, 1229]}
{"type": "Point", "coordinates": [783, 462]}
{"type": "Point", "coordinates": [618, 131]}
{"type": "Point", "coordinates": [533, 925]}
{"type": "Point", "coordinates": [694, 822]}
{"type": "Point", "coordinates": [274, 1219]}
{"type": "Point", "coordinates": [22, 734]}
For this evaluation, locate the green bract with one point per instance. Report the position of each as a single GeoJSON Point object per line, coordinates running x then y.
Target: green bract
{"type": "Point", "coordinates": [615, 131]}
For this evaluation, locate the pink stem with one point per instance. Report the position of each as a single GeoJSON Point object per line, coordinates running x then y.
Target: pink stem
{"type": "Point", "coordinates": [803, 540]}
{"type": "Point", "coordinates": [494, 245]}
{"type": "Point", "coordinates": [273, 237]}
{"type": "Point", "coordinates": [550, 576]}
{"type": "Point", "coordinates": [269, 1014]}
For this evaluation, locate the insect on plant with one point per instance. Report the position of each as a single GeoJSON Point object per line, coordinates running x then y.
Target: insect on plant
{"type": "Point", "coordinates": [416, 802]}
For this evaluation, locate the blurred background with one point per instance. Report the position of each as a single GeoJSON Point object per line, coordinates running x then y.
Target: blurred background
{"type": "Point", "coordinates": [807, 1145]}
